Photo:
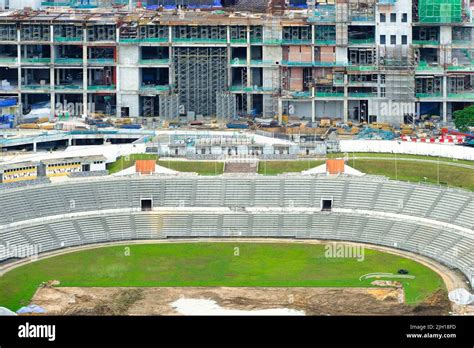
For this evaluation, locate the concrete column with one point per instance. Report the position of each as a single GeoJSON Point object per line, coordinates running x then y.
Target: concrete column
{"type": "Point", "coordinates": [52, 100]}
{"type": "Point", "coordinates": [280, 110]}
{"type": "Point", "coordinates": [445, 112]}
{"type": "Point", "coordinates": [313, 104]}
{"type": "Point", "coordinates": [52, 73]}
{"type": "Point", "coordinates": [445, 96]}
{"type": "Point", "coordinates": [19, 59]}
{"type": "Point", "coordinates": [34, 146]}
{"type": "Point", "coordinates": [69, 141]}
{"type": "Point", "coordinates": [346, 101]}
{"type": "Point", "coordinates": [84, 73]}
{"type": "Point", "coordinates": [118, 96]}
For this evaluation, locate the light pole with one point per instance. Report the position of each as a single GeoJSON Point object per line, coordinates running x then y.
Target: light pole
{"type": "Point", "coordinates": [396, 167]}
{"type": "Point", "coordinates": [396, 161]}
{"type": "Point", "coordinates": [438, 169]}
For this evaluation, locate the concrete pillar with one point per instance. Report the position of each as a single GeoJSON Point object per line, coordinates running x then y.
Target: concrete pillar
{"type": "Point", "coordinates": [445, 112]}
{"type": "Point", "coordinates": [52, 100]}
{"type": "Point", "coordinates": [84, 73]}
{"type": "Point", "coordinates": [52, 73]}
{"type": "Point", "coordinates": [69, 141]}
{"type": "Point", "coordinates": [313, 105]}
{"type": "Point", "coordinates": [34, 146]}
{"type": "Point", "coordinates": [346, 101]}
{"type": "Point", "coordinates": [19, 60]}
{"type": "Point", "coordinates": [249, 77]}
{"type": "Point", "coordinates": [445, 96]}
{"type": "Point", "coordinates": [249, 102]}
{"type": "Point", "coordinates": [280, 110]}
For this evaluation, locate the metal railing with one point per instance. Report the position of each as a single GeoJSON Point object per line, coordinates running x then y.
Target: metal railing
{"type": "Point", "coordinates": [100, 87]}
{"type": "Point", "coordinates": [199, 40]}
{"type": "Point", "coordinates": [36, 60]}
{"type": "Point", "coordinates": [68, 61]}
{"type": "Point", "coordinates": [154, 61]}
{"type": "Point", "coordinates": [425, 42]}
{"type": "Point", "coordinates": [67, 39]}
{"type": "Point", "coordinates": [362, 41]}
{"type": "Point", "coordinates": [101, 61]}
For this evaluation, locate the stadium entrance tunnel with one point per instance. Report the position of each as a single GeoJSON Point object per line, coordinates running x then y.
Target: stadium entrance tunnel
{"type": "Point", "coordinates": [326, 204]}
{"type": "Point", "coordinates": [146, 204]}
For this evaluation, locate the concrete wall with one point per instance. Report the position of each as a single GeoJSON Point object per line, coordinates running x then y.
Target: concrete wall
{"type": "Point", "coordinates": [302, 109]}
{"type": "Point", "coordinates": [129, 54]}
{"type": "Point", "coordinates": [390, 111]}
{"type": "Point", "coordinates": [132, 102]}
{"type": "Point", "coordinates": [445, 37]}
{"type": "Point", "coordinates": [452, 151]}
{"type": "Point", "coordinates": [398, 28]}
{"type": "Point", "coordinates": [129, 79]}
{"type": "Point", "coordinates": [20, 4]}
{"type": "Point", "coordinates": [331, 109]}
{"type": "Point", "coordinates": [272, 53]}
{"type": "Point", "coordinates": [97, 166]}
{"type": "Point", "coordinates": [341, 54]}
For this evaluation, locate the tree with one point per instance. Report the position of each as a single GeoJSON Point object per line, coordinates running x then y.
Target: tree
{"type": "Point", "coordinates": [463, 119]}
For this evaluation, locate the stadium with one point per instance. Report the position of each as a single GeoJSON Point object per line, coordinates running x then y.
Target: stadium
{"type": "Point", "coordinates": [237, 157]}
{"type": "Point", "coordinates": [151, 231]}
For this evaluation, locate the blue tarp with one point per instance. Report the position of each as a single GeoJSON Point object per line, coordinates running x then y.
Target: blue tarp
{"type": "Point", "coordinates": [171, 4]}
{"type": "Point", "coordinates": [6, 312]}
{"type": "Point", "coordinates": [7, 102]}
{"type": "Point", "coordinates": [31, 309]}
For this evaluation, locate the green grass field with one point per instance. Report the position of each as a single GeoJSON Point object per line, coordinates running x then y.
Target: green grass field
{"type": "Point", "coordinates": [212, 264]}
{"type": "Point", "coordinates": [202, 168]}
{"type": "Point", "coordinates": [278, 167]}
{"type": "Point", "coordinates": [416, 172]}
{"type": "Point", "coordinates": [399, 156]}
{"type": "Point", "coordinates": [402, 170]}
{"type": "Point", "coordinates": [124, 162]}
{"type": "Point", "coordinates": [405, 170]}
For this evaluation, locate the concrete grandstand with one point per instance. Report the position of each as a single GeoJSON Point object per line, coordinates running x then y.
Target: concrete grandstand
{"type": "Point", "coordinates": [432, 221]}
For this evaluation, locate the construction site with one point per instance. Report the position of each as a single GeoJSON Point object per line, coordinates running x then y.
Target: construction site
{"type": "Point", "coordinates": [388, 62]}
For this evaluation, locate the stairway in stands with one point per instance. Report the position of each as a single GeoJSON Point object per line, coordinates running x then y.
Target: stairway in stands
{"type": "Point", "coordinates": [240, 167]}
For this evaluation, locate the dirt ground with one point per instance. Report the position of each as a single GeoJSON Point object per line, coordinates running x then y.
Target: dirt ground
{"type": "Point", "coordinates": [157, 300]}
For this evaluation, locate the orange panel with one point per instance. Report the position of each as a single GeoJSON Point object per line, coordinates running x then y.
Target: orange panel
{"type": "Point", "coordinates": [335, 166]}
{"type": "Point", "coordinates": [145, 166]}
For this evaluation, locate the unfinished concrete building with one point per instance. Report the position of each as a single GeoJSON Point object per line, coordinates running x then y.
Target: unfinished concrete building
{"type": "Point", "coordinates": [361, 60]}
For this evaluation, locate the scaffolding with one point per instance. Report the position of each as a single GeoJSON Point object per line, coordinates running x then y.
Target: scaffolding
{"type": "Point", "coordinates": [300, 34]}
{"type": "Point", "coordinates": [68, 33]}
{"type": "Point", "coordinates": [440, 11]}
{"type": "Point", "coordinates": [35, 32]}
{"type": "Point", "coordinates": [226, 105]}
{"type": "Point", "coordinates": [238, 33]}
{"type": "Point", "coordinates": [101, 33]}
{"type": "Point", "coordinates": [169, 106]}
{"type": "Point", "coordinates": [8, 32]}
{"type": "Point", "coordinates": [362, 10]}
{"type": "Point", "coordinates": [256, 33]}
{"type": "Point", "coordinates": [200, 72]}
{"type": "Point", "coordinates": [202, 33]}
{"type": "Point", "coordinates": [398, 68]}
